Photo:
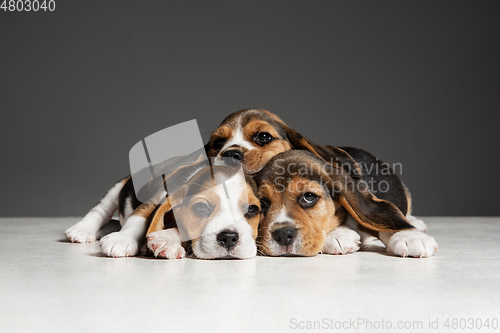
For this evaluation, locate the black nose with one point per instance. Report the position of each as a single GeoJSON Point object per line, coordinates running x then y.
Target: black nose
{"type": "Point", "coordinates": [234, 155]}
{"type": "Point", "coordinates": [284, 236]}
{"type": "Point", "coordinates": [228, 239]}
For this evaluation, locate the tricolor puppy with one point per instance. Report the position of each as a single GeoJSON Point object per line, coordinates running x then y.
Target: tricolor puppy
{"type": "Point", "coordinates": [307, 201]}
{"type": "Point", "coordinates": [216, 208]}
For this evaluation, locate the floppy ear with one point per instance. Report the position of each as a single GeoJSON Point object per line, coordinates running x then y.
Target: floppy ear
{"type": "Point", "coordinates": [159, 215]}
{"type": "Point", "coordinates": [298, 141]}
{"type": "Point", "coordinates": [367, 209]}
{"type": "Point", "coordinates": [345, 174]}
{"type": "Point", "coordinates": [171, 191]}
{"type": "Point", "coordinates": [374, 213]}
{"type": "Point", "coordinates": [337, 157]}
{"type": "Point", "coordinates": [157, 223]}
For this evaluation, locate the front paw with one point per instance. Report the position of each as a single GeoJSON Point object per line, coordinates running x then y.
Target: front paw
{"type": "Point", "coordinates": [412, 243]}
{"type": "Point", "coordinates": [81, 233]}
{"type": "Point", "coordinates": [166, 244]}
{"type": "Point", "coordinates": [342, 240]}
{"type": "Point", "coordinates": [118, 244]}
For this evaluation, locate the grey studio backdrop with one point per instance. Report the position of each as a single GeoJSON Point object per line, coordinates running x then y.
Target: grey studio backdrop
{"type": "Point", "coordinates": [413, 82]}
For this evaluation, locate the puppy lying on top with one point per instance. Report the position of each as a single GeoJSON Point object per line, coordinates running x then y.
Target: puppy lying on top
{"type": "Point", "coordinates": [307, 201]}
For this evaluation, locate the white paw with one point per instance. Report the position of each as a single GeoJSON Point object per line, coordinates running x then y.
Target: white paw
{"type": "Point", "coordinates": [412, 243]}
{"type": "Point", "coordinates": [166, 244]}
{"type": "Point", "coordinates": [342, 240]}
{"type": "Point", "coordinates": [119, 244]}
{"type": "Point", "coordinates": [417, 223]}
{"type": "Point", "coordinates": [81, 233]}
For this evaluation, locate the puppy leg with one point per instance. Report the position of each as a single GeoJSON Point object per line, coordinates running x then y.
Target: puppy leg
{"type": "Point", "coordinates": [127, 242]}
{"type": "Point", "coordinates": [365, 234]}
{"type": "Point", "coordinates": [410, 243]}
{"type": "Point", "coordinates": [342, 240]}
{"type": "Point", "coordinates": [166, 244]}
{"type": "Point", "coordinates": [417, 223]}
{"type": "Point", "coordinates": [86, 230]}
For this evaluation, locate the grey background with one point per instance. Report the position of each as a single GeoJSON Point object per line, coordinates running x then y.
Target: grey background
{"type": "Point", "coordinates": [414, 82]}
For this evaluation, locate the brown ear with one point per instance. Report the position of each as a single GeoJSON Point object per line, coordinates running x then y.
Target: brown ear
{"type": "Point", "coordinates": [367, 209]}
{"type": "Point", "coordinates": [157, 222]}
{"type": "Point", "coordinates": [175, 187]}
{"type": "Point", "coordinates": [298, 141]}
{"type": "Point", "coordinates": [374, 213]}
{"type": "Point", "coordinates": [337, 157]}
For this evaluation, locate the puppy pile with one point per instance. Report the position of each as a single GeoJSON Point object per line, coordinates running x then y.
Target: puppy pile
{"type": "Point", "coordinates": [293, 198]}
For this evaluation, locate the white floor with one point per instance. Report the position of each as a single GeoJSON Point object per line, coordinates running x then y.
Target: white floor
{"type": "Point", "coordinates": [50, 285]}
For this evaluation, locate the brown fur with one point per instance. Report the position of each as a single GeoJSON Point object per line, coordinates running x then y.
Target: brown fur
{"type": "Point", "coordinates": [282, 187]}
{"type": "Point", "coordinates": [313, 224]}
{"type": "Point", "coordinates": [205, 193]}
{"type": "Point", "coordinates": [253, 122]}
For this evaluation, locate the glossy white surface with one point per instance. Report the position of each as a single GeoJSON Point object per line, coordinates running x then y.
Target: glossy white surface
{"type": "Point", "coordinates": [50, 285]}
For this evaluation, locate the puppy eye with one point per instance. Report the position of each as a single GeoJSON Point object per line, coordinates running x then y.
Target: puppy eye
{"type": "Point", "coordinates": [263, 138]}
{"type": "Point", "coordinates": [201, 209]}
{"type": "Point", "coordinates": [252, 210]}
{"type": "Point", "coordinates": [219, 143]}
{"type": "Point", "coordinates": [308, 200]}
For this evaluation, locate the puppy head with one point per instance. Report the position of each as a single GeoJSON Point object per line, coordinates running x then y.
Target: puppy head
{"type": "Point", "coordinates": [303, 198]}
{"type": "Point", "coordinates": [218, 210]}
{"type": "Point", "coordinates": [252, 137]}
{"type": "Point", "coordinates": [297, 206]}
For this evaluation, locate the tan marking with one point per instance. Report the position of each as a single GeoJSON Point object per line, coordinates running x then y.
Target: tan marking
{"type": "Point", "coordinates": [312, 223]}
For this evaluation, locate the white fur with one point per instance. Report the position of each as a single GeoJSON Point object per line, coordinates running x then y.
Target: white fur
{"type": "Point", "coordinates": [126, 242]}
{"type": "Point", "coordinates": [410, 243]}
{"type": "Point", "coordinates": [237, 139]}
{"type": "Point", "coordinates": [229, 218]}
{"type": "Point", "coordinates": [353, 224]}
{"type": "Point", "coordinates": [276, 249]}
{"type": "Point", "coordinates": [166, 244]}
{"type": "Point", "coordinates": [207, 246]}
{"type": "Point", "coordinates": [86, 230]}
{"type": "Point", "coordinates": [417, 223]}
{"type": "Point", "coordinates": [127, 211]}
{"type": "Point", "coordinates": [283, 217]}
{"type": "Point", "coordinates": [342, 240]}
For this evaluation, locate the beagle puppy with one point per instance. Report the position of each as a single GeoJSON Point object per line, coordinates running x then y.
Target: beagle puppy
{"type": "Point", "coordinates": [306, 202]}
{"type": "Point", "coordinates": [216, 209]}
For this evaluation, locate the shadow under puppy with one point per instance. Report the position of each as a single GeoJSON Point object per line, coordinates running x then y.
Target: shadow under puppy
{"type": "Point", "coordinates": [215, 209]}
{"type": "Point", "coordinates": [307, 203]}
